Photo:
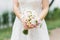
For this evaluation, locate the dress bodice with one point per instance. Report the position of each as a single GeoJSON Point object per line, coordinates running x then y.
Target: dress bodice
{"type": "Point", "coordinates": [35, 5]}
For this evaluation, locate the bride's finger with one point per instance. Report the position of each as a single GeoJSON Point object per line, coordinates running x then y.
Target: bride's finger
{"type": "Point", "coordinates": [25, 26]}
{"type": "Point", "coordinates": [32, 26]}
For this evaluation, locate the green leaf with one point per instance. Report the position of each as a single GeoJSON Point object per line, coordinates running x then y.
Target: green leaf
{"type": "Point", "coordinates": [25, 32]}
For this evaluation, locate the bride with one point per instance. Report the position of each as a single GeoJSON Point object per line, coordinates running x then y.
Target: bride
{"type": "Point", "coordinates": [35, 32]}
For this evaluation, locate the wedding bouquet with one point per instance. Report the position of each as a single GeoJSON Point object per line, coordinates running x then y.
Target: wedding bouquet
{"type": "Point", "coordinates": [31, 18]}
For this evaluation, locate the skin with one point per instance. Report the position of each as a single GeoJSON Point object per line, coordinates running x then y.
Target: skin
{"type": "Point", "coordinates": [45, 7]}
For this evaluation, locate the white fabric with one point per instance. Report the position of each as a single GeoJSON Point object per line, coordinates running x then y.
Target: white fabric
{"type": "Point", "coordinates": [35, 33]}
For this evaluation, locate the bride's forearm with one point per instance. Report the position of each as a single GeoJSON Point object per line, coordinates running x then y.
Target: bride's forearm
{"type": "Point", "coordinates": [43, 13]}
{"type": "Point", "coordinates": [16, 8]}
{"type": "Point", "coordinates": [17, 12]}
{"type": "Point", "coordinates": [45, 7]}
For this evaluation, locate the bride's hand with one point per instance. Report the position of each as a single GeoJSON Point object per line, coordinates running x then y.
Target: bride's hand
{"type": "Point", "coordinates": [39, 21]}
{"type": "Point", "coordinates": [34, 25]}
{"type": "Point", "coordinates": [23, 20]}
{"type": "Point", "coordinates": [26, 26]}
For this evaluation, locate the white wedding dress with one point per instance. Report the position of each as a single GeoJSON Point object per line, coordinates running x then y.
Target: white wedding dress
{"type": "Point", "coordinates": [35, 33]}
